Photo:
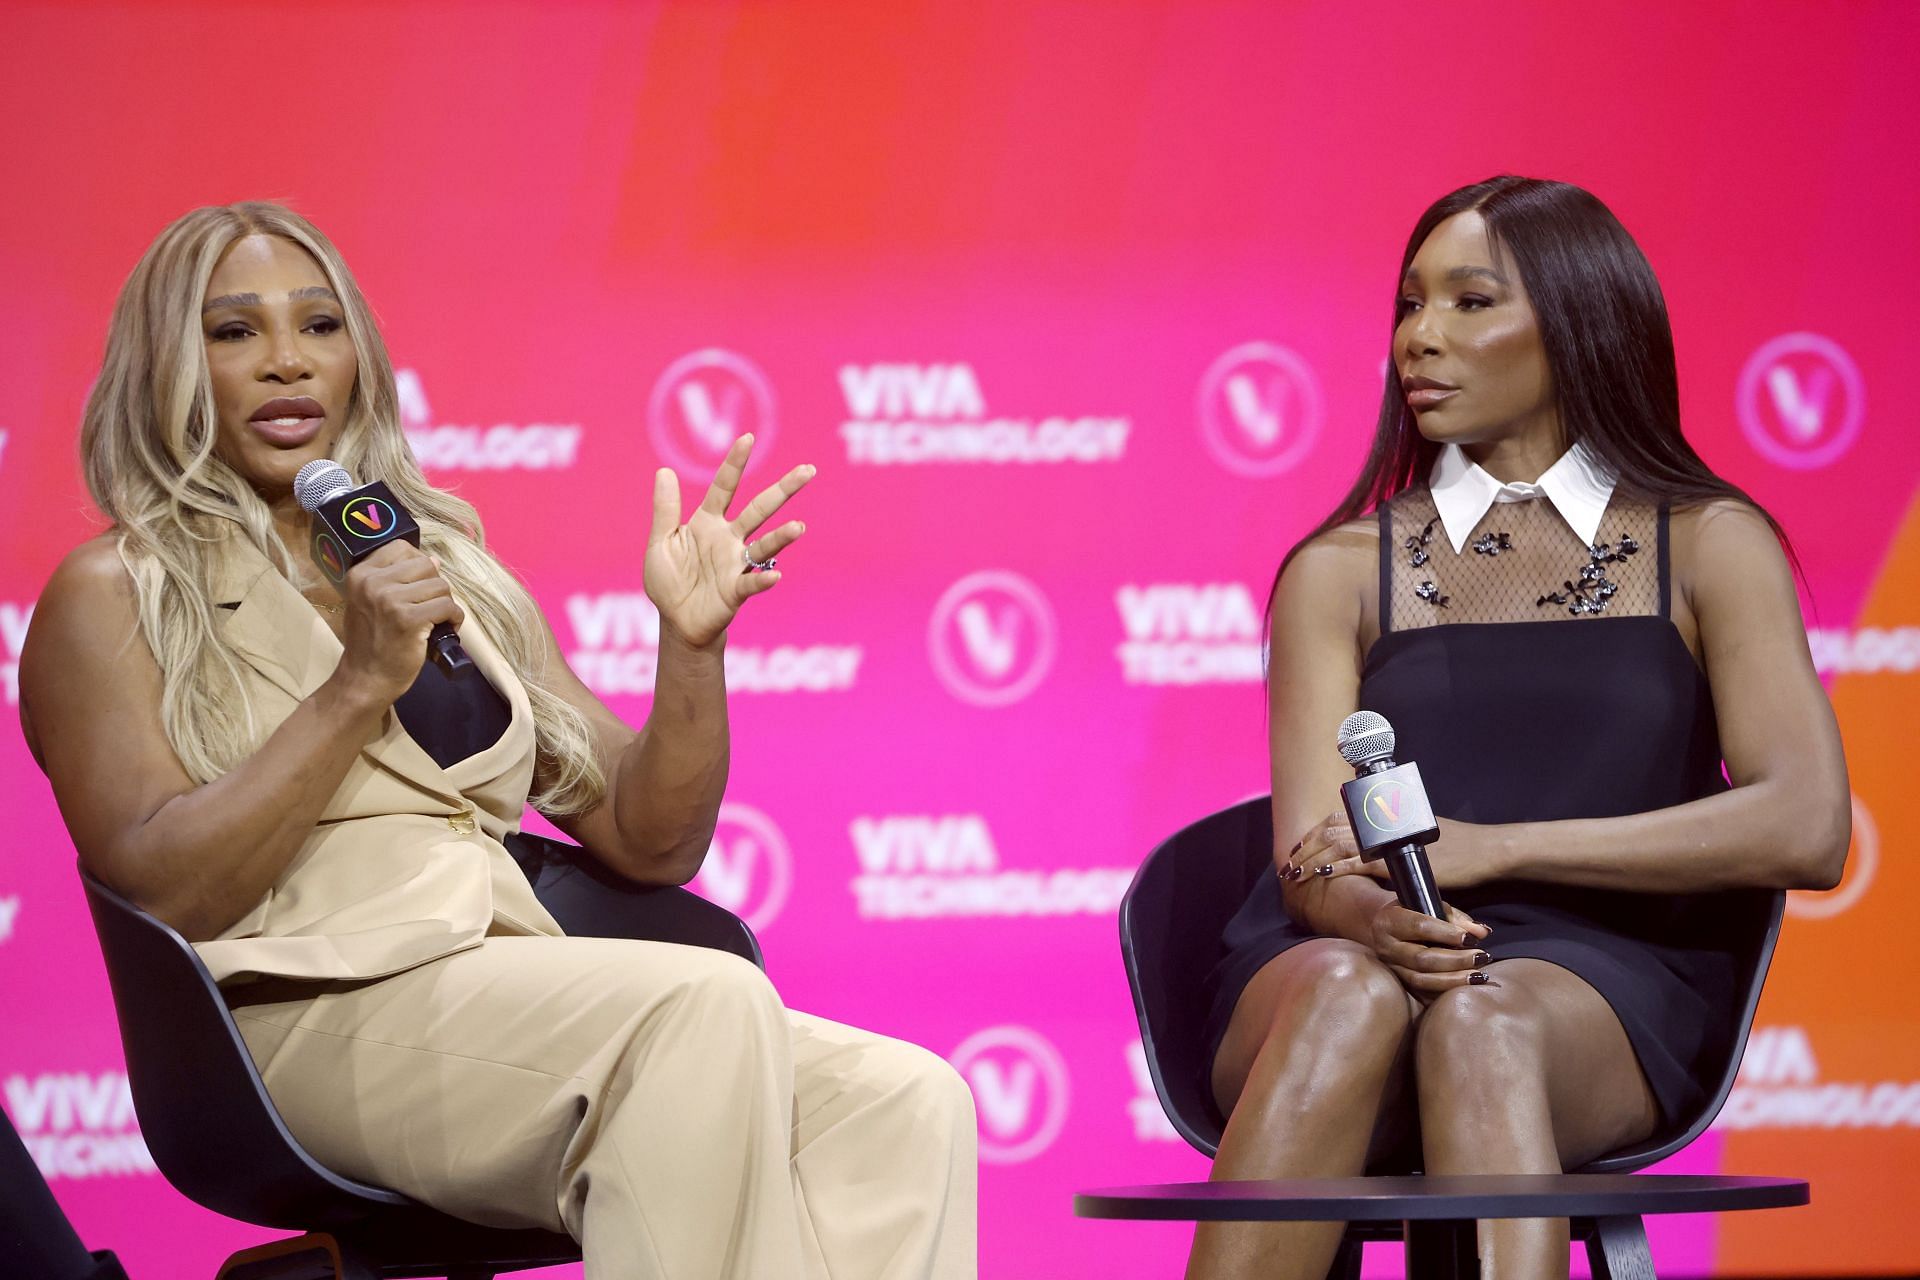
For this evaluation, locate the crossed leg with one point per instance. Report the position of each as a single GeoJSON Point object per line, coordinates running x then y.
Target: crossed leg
{"type": "Point", "coordinates": [1312, 1073]}
{"type": "Point", "coordinates": [1326, 1053]}
{"type": "Point", "coordinates": [1531, 1073]}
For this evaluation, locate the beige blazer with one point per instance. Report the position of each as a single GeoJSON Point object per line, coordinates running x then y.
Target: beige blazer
{"type": "Point", "coordinates": [405, 864]}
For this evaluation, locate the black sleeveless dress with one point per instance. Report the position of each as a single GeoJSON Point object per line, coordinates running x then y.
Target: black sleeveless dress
{"type": "Point", "coordinates": [1535, 679]}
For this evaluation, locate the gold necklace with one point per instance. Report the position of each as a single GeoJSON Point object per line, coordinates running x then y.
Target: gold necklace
{"type": "Point", "coordinates": [322, 605]}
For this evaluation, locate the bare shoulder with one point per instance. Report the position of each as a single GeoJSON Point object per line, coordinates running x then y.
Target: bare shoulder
{"type": "Point", "coordinates": [1335, 570]}
{"type": "Point", "coordinates": [1723, 522]}
{"type": "Point", "coordinates": [91, 586]}
{"type": "Point", "coordinates": [1733, 584]}
{"type": "Point", "coordinates": [1724, 542]}
{"type": "Point", "coordinates": [82, 621]}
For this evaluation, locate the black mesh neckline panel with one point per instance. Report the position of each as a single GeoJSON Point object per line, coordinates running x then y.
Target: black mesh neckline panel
{"type": "Point", "coordinates": [1521, 563]}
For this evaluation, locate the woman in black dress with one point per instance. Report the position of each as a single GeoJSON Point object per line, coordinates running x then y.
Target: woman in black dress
{"type": "Point", "coordinates": [1571, 622]}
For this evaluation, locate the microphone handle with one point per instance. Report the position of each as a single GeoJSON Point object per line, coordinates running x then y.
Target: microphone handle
{"type": "Point", "coordinates": [446, 652]}
{"type": "Point", "coordinates": [1412, 878]}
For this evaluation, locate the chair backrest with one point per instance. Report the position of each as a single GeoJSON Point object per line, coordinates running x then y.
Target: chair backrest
{"type": "Point", "coordinates": [1170, 925]}
{"type": "Point", "coordinates": [203, 1110]}
{"type": "Point", "coordinates": [1190, 886]}
{"type": "Point", "coordinates": [590, 901]}
{"type": "Point", "coordinates": [1752, 927]}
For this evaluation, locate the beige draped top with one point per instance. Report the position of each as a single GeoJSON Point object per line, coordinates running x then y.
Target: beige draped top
{"type": "Point", "coordinates": [405, 864]}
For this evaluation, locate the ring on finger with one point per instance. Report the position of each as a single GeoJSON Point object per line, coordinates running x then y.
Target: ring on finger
{"type": "Point", "coordinates": [758, 566]}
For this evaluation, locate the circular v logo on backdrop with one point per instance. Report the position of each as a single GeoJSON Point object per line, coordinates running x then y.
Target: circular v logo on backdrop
{"type": "Point", "coordinates": [1260, 409]}
{"type": "Point", "coordinates": [1019, 1083]}
{"type": "Point", "coordinates": [749, 866]}
{"type": "Point", "coordinates": [991, 638]}
{"type": "Point", "coordinates": [702, 402]}
{"type": "Point", "coordinates": [1801, 401]}
{"type": "Point", "coordinates": [1863, 860]}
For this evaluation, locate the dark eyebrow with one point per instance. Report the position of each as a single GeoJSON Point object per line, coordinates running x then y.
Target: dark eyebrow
{"type": "Point", "coordinates": [253, 299]}
{"type": "Point", "coordinates": [1467, 273]}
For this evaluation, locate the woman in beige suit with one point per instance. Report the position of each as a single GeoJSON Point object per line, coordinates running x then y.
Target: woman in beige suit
{"type": "Point", "coordinates": [259, 760]}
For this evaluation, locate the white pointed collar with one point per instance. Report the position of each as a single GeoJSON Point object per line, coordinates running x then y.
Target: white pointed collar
{"type": "Point", "coordinates": [1578, 485]}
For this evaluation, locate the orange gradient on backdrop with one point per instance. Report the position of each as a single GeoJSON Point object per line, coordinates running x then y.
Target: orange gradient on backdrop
{"type": "Point", "coordinates": [1847, 981]}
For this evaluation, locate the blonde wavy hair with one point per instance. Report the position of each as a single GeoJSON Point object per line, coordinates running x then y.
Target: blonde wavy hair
{"type": "Point", "coordinates": [147, 446]}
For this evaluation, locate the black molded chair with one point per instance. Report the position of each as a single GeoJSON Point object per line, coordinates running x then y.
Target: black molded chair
{"type": "Point", "coordinates": [1170, 925]}
{"type": "Point", "coordinates": [35, 1237]}
{"type": "Point", "coordinates": [216, 1136]}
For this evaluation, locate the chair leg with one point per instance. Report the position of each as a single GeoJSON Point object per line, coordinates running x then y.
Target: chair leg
{"type": "Point", "coordinates": [1443, 1250]}
{"type": "Point", "coordinates": [1617, 1249]}
{"type": "Point", "coordinates": [1346, 1262]}
{"type": "Point", "coordinates": [315, 1256]}
{"type": "Point", "coordinates": [107, 1267]}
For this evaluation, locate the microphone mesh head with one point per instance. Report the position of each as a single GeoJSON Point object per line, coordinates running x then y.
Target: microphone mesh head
{"type": "Point", "coordinates": [1365, 736]}
{"type": "Point", "coordinates": [320, 481]}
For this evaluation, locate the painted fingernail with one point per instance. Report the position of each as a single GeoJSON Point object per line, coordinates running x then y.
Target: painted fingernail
{"type": "Point", "coordinates": [1478, 978]}
{"type": "Point", "coordinates": [1326, 869]}
{"type": "Point", "coordinates": [1463, 940]}
{"type": "Point", "coordinates": [1480, 958]}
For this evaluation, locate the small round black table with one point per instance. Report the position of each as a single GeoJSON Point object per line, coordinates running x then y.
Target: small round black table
{"type": "Point", "coordinates": [1436, 1215]}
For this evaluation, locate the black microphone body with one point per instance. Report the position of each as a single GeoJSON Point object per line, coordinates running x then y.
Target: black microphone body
{"type": "Point", "coordinates": [350, 526]}
{"type": "Point", "coordinates": [1391, 817]}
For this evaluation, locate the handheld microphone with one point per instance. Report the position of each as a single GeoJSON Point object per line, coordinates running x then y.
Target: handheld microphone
{"type": "Point", "coordinates": [350, 524]}
{"type": "Point", "coordinates": [1388, 808]}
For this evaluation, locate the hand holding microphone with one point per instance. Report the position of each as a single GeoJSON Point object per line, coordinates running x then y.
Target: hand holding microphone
{"type": "Point", "coordinates": [1391, 819]}
{"type": "Point", "coordinates": [1388, 810]}
{"type": "Point", "coordinates": [397, 600]}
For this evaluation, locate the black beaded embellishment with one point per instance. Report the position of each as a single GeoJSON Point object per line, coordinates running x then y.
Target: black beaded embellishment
{"type": "Point", "coordinates": [1594, 590]}
{"type": "Point", "coordinates": [1416, 545]}
{"type": "Point", "coordinates": [1492, 544]}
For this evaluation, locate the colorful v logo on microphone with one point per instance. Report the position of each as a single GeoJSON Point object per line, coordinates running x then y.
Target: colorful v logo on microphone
{"type": "Point", "coordinates": [367, 517]}
{"type": "Point", "coordinates": [1386, 805]}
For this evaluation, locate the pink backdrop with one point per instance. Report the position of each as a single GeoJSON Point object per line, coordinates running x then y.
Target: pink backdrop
{"type": "Point", "coordinates": [1080, 309]}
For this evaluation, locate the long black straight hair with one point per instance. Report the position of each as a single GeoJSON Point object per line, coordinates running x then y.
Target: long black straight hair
{"type": "Point", "coordinates": [1609, 345]}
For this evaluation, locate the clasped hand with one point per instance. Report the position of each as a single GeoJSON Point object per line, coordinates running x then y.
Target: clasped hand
{"type": "Point", "coordinates": [697, 573]}
{"type": "Point", "coordinates": [1462, 857]}
{"type": "Point", "coordinates": [1428, 955]}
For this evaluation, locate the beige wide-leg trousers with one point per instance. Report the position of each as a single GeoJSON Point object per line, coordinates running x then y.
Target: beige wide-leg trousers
{"type": "Point", "coordinates": [657, 1102]}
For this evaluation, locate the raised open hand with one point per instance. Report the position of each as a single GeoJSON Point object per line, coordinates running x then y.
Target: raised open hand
{"type": "Point", "coordinates": [697, 573]}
